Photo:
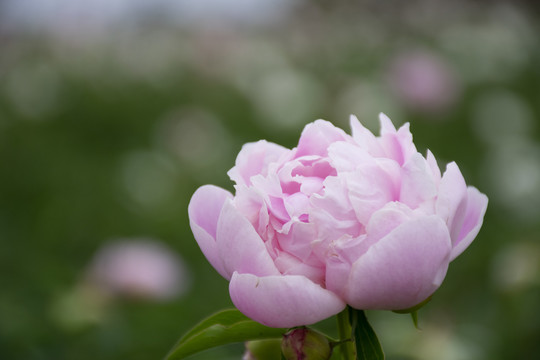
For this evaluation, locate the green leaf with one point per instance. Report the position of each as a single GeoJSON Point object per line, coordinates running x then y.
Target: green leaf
{"type": "Point", "coordinates": [224, 317]}
{"type": "Point", "coordinates": [368, 346]}
{"type": "Point", "coordinates": [225, 327]}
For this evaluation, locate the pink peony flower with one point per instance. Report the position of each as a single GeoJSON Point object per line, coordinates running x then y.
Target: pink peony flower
{"type": "Point", "coordinates": [340, 219]}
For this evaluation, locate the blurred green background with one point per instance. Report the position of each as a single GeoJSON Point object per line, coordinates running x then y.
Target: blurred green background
{"type": "Point", "coordinates": [112, 113]}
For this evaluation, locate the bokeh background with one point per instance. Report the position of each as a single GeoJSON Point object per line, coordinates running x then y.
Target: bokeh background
{"type": "Point", "coordinates": [112, 112]}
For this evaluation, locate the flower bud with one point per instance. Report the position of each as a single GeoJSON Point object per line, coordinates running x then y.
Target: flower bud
{"type": "Point", "coordinates": [305, 344]}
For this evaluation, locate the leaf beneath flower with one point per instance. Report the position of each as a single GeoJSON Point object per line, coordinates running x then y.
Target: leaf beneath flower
{"type": "Point", "coordinates": [225, 327]}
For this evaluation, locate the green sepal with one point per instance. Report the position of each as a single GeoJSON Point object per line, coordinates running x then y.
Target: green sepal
{"type": "Point", "coordinates": [224, 327]}
{"type": "Point", "coordinates": [414, 316]}
{"type": "Point", "coordinates": [414, 311]}
{"type": "Point", "coordinates": [414, 308]}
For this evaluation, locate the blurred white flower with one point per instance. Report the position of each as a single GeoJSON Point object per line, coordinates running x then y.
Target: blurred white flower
{"type": "Point", "coordinates": [246, 60]}
{"type": "Point", "coordinates": [34, 90]}
{"type": "Point", "coordinates": [149, 178]}
{"type": "Point", "coordinates": [441, 340]}
{"type": "Point", "coordinates": [494, 47]}
{"type": "Point", "coordinates": [423, 81]}
{"type": "Point", "coordinates": [192, 135]}
{"type": "Point", "coordinates": [287, 98]}
{"type": "Point", "coordinates": [79, 307]}
{"type": "Point", "coordinates": [139, 268]}
{"type": "Point", "coordinates": [517, 266]}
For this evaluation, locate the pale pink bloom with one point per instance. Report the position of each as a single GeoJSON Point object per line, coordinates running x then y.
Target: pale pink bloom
{"type": "Point", "coordinates": [340, 219]}
{"type": "Point", "coordinates": [423, 81]}
{"type": "Point", "coordinates": [138, 268]}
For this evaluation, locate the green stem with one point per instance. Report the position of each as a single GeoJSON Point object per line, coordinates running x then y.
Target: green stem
{"type": "Point", "coordinates": [346, 347]}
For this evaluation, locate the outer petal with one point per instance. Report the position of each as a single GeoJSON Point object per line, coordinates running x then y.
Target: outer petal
{"type": "Point", "coordinates": [345, 251]}
{"type": "Point", "coordinates": [239, 246]}
{"type": "Point", "coordinates": [283, 301]}
{"type": "Point", "coordinates": [452, 200]}
{"type": "Point", "coordinates": [254, 159]}
{"type": "Point", "coordinates": [204, 210]}
{"type": "Point", "coordinates": [403, 268]}
{"type": "Point", "coordinates": [474, 216]}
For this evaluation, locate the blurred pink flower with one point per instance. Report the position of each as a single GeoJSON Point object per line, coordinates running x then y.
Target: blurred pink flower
{"type": "Point", "coordinates": [139, 269]}
{"type": "Point", "coordinates": [423, 81]}
{"type": "Point", "coordinates": [340, 219]}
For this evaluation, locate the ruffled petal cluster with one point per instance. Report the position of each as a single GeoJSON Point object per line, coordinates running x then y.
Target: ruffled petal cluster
{"type": "Point", "coordinates": [341, 219]}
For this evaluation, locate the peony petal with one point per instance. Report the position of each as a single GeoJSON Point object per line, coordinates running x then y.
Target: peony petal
{"type": "Point", "coordinates": [385, 220]}
{"type": "Point", "coordinates": [283, 301]}
{"type": "Point", "coordinates": [330, 229]}
{"type": "Point", "coordinates": [298, 240]}
{"type": "Point", "coordinates": [417, 183]}
{"type": "Point", "coordinates": [398, 144]}
{"type": "Point", "coordinates": [337, 274]}
{"type": "Point", "coordinates": [267, 185]}
{"type": "Point", "coordinates": [405, 139]}
{"type": "Point", "coordinates": [474, 216]}
{"type": "Point", "coordinates": [335, 199]}
{"type": "Point", "coordinates": [291, 265]}
{"type": "Point", "coordinates": [403, 268]}
{"type": "Point", "coordinates": [432, 162]}
{"type": "Point", "coordinates": [296, 204]}
{"type": "Point", "coordinates": [254, 159]}
{"type": "Point", "coordinates": [387, 127]}
{"type": "Point", "coordinates": [452, 200]}
{"type": "Point", "coordinates": [311, 185]}
{"type": "Point", "coordinates": [365, 138]}
{"type": "Point", "coordinates": [240, 247]}
{"type": "Point", "coordinates": [370, 187]}
{"type": "Point", "coordinates": [250, 202]}
{"type": "Point", "coordinates": [346, 250]}
{"type": "Point", "coordinates": [204, 210]}
{"type": "Point", "coordinates": [317, 137]}
{"type": "Point", "coordinates": [346, 156]}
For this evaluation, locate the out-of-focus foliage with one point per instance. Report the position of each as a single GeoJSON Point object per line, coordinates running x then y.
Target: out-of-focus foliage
{"type": "Point", "coordinates": [110, 119]}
